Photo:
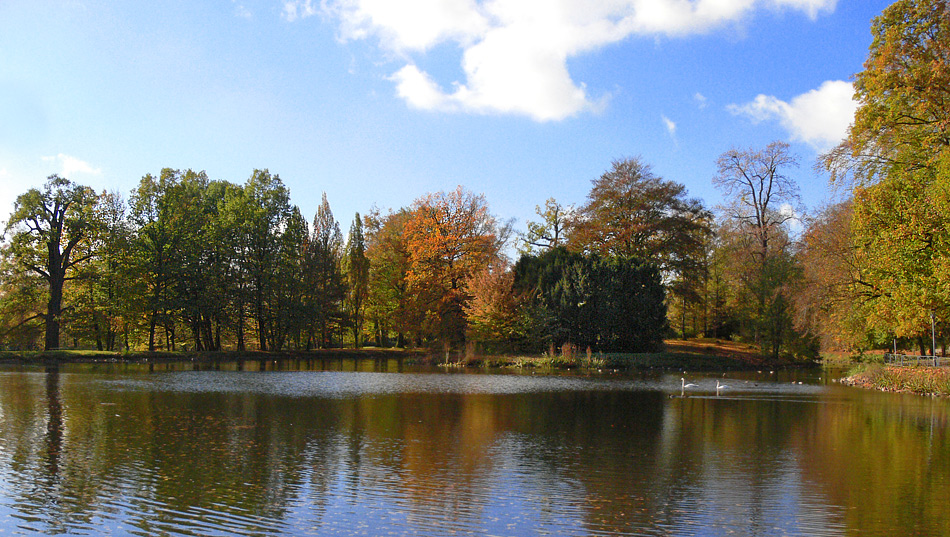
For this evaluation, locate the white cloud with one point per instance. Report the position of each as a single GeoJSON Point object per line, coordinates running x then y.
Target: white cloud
{"type": "Point", "coordinates": [298, 9]}
{"type": "Point", "coordinates": [670, 126]}
{"type": "Point", "coordinates": [241, 11]}
{"type": "Point", "coordinates": [72, 166]}
{"type": "Point", "coordinates": [795, 223]}
{"type": "Point", "coordinates": [819, 117]}
{"type": "Point", "coordinates": [700, 99]}
{"type": "Point", "coordinates": [515, 52]}
{"type": "Point", "coordinates": [811, 7]}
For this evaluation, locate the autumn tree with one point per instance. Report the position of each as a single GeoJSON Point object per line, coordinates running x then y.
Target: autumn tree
{"type": "Point", "coordinates": [898, 153]}
{"type": "Point", "coordinates": [494, 310]}
{"type": "Point", "coordinates": [449, 237]}
{"type": "Point", "coordinates": [49, 227]}
{"type": "Point", "coordinates": [829, 300]}
{"type": "Point", "coordinates": [761, 200]}
{"type": "Point", "coordinates": [631, 212]}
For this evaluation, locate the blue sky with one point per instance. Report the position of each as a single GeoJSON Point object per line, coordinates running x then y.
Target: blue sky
{"type": "Point", "coordinates": [381, 101]}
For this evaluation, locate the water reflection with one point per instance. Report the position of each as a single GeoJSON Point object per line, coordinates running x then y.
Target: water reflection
{"type": "Point", "coordinates": [290, 452]}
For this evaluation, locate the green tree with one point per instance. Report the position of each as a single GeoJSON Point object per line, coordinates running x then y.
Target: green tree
{"type": "Point", "coordinates": [268, 207]}
{"type": "Point", "coordinates": [291, 310]}
{"type": "Point", "coordinates": [357, 277]}
{"type": "Point", "coordinates": [49, 226]}
{"type": "Point", "coordinates": [608, 304]}
{"type": "Point", "coordinates": [103, 292]}
{"type": "Point", "coordinates": [551, 231]}
{"type": "Point", "coordinates": [388, 303]}
{"type": "Point", "coordinates": [326, 284]}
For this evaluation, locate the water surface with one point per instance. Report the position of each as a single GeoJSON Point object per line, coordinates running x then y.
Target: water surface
{"type": "Point", "coordinates": [347, 448]}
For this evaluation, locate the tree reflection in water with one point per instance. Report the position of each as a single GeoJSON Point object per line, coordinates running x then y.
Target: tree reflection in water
{"type": "Point", "coordinates": [296, 453]}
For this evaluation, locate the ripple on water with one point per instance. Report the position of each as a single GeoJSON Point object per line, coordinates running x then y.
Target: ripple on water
{"type": "Point", "coordinates": [333, 384]}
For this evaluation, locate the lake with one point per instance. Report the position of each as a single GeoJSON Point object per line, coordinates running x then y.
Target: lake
{"type": "Point", "coordinates": [340, 447]}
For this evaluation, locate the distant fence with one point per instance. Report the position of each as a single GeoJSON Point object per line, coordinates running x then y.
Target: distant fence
{"type": "Point", "coordinates": [905, 359]}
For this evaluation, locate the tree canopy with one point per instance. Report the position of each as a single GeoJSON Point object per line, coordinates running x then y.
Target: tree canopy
{"type": "Point", "coordinates": [49, 228]}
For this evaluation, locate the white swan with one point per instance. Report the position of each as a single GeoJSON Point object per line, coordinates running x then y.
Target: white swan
{"type": "Point", "coordinates": [684, 385]}
{"type": "Point", "coordinates": [720, 387]}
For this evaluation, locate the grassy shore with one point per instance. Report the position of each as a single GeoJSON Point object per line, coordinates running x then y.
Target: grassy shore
{"type": "Point", "coordinates": [922, 380]}
{"type": "Point", "coordinates": [693, 355]}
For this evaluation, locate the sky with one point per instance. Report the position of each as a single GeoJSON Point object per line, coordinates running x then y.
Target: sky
{"type": "Point", "coordinates": [378, 102]}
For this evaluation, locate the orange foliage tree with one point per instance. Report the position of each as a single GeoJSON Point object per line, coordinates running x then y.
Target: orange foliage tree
{"type": "Point", "coordinates": [449, 237]}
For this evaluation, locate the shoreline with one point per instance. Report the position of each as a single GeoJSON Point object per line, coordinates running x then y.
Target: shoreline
{"type": "Point", "coordinates": [676, 358]}
{"type": "Point", "coordinates": [918, 380]}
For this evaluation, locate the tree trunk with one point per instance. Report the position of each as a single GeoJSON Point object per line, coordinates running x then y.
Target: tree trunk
{"type": "Point", "coordinates": [54, 310]}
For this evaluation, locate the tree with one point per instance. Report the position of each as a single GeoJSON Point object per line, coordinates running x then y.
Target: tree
{"type": "Point", "coordinates": [388, 302]}
{"type": "Point", "coordinates": [449, 237]}
{"type": "Point", "coordinates": [357, 277]}
{"type": "Point", "coordinates": [630, 212]}
{"type": "Point", "coordinates": [551, 231]}
{"type": "Point", "coordinates": [103, 293]}
{"type": "Point", "coordinates": [608, 304]}
{"type": "Point", "coordinates": [898, 151]}
{"type": "Point", "coordinates": [269, 210]}
{"type": "Point", "coordinates": [829, 300]}
{"type": "Point", "coordinates": [903, 120]}
{"type": "Point", "coordinates": [492, 312]}
{"type": "Point", "coordinates": [761, 200]}
{"type": "Point", "coordinates": [291, 289]}
{"type": "Point", "coordinates": [48, 227]}
{"type": "Point", "coordinates": [325, 278]}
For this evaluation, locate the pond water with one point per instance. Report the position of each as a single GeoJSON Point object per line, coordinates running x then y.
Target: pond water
{"type": "Point", "coordinates": [347, 448]}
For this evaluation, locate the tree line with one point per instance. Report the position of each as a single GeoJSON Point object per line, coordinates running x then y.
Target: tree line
{"type": "Point", "coordinates": [190, 262]}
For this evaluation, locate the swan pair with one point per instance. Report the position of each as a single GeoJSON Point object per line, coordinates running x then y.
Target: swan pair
{"type": "Point", "coordinates": [684, 386]}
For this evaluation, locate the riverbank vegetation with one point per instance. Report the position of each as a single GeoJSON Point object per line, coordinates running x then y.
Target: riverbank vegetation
{"type": "Point", "coordinates": [922, 380]}
{"type": "Point", "coordinates": [185, 262]}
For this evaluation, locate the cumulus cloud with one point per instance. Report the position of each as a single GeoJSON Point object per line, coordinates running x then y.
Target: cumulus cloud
{"type": "Point", "coordinates": [72, 166]}
{"type": "Point", "coordinates": [819, 117]}
{"type": "Point", "coordinates": [515, 52]}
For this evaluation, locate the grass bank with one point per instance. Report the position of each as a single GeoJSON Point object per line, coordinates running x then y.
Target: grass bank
{"type": "Point", "coordinates": [922, 380]}
{"type": "Point", "coordinates": [692, 355]}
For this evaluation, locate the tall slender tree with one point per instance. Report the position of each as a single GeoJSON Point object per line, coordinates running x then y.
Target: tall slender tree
{"type": "Point", "coordinates": [357, 277]}
{"type": "Point", "coordinates": [326, 284]}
